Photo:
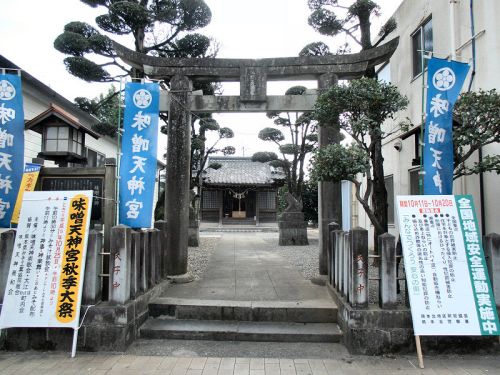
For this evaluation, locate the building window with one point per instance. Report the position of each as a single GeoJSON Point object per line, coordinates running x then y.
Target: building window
{"type": "Point", "coordinates": [414, 181]}
{"type": "Point", "coordinates": [421, 41]}
{"type": "Point", "coordinates": [267, 200]}
{"type": "Point", "coordinates": [211, 199]}
{"type": "Point", "coordinates": [94, 158]}
{"type": "Point", "coordinates": [63, 139]}
{"type": "Point", "coordinates": [389, 186]}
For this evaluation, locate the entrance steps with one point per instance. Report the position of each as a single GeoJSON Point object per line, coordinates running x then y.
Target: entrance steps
{"type": "Point", "coordinates": [237, 226]}
{"type": "Point", "coordinates": [278, 321]}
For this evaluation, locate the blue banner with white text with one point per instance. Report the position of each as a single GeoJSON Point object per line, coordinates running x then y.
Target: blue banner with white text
{"type": "Point", "coordinates": [138, 161]}
{"type": "Point", "coordinates": [11, 144]}
{"type": "Point", "coordinates": [444, 81]}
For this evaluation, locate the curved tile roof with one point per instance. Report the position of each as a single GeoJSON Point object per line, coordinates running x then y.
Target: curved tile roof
{"type": "Point", "coordinates": [241, 171]}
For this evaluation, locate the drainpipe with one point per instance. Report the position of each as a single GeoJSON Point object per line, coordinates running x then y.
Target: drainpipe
{"type": "Point", "coordinates": [452, 29]}
{"type": "Point", "coordinates": [480, 151]}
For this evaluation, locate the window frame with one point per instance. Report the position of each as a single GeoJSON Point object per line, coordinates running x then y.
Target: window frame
{"type": "Point", "coordinates": [69, 139]}
{"type": "Point", "coordinates": [416, 171]}
{"type": "Point", "coordinates": [416, 67]}
{"type": "Point", "coordinates": [99, 156]}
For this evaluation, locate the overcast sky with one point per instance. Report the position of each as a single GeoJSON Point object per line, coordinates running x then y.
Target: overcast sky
{"type": "Point", "coordinates": [244, 29]}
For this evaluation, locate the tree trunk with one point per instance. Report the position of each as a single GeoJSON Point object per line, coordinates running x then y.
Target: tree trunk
{"type": "Point", "coordinates": [379, 196]}
{"type": "Point", "coordinates": [366, 43]}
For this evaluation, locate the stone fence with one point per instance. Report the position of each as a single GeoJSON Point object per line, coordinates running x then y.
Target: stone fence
{"type": "Point", "coordinates": [372, 315]}
{"type": "Point", "coordinates": [137, 273]}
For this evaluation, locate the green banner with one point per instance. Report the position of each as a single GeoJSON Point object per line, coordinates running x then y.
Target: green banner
{"type": "Point", "coordinates": [478, 271]}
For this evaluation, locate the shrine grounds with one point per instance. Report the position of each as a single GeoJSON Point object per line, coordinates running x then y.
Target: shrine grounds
{"type": "Point", "coordinates": [198, 357]}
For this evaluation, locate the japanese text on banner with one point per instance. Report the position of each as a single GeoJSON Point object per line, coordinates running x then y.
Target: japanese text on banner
{"type": "Point", "coordinates": [448, 284]}
{"type": "Point", "coordinates": [28, 182]}
{"type": "Point", "coordinates": [138, 162]}
{"type": "Point", "coordinates": [445, 80]}
{"type": "Point", "coordinates": [11, 144]}
{"type": "Point", "coordinates": [45, 280]}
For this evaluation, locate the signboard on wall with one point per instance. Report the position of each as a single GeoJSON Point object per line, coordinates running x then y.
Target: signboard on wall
{"type": "Point", "coordinates": [447, 277]}
{"type": "Point", "coordinates": [45, 280]}
{"type": "Point", "coordinates": [96, 184]}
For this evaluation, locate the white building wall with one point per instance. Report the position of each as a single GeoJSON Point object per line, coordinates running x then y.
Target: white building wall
{"type": "Point", "coordinates": [36, 102]}
{"type": "Point", "coordinates": [409, 16]}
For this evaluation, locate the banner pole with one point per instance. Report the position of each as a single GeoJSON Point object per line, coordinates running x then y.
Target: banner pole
{"type": "Point", "coordinates": [419, 352]}
{"type": "Point", "coordinates": [75, 339]}
{"type": "Point", "coordinates": [422, 127]}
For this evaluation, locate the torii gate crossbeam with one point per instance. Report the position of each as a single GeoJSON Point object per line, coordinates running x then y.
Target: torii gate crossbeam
{"type": "Point", "coordinates": [253, 76]}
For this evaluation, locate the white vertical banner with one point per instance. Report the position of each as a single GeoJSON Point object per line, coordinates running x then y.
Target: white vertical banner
{"type": "Point", "coordinates": [447, 277]}
{"type": "Point", "coordinates": [45, 281]}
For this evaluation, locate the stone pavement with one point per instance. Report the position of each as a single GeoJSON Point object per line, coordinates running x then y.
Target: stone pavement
{"type": "Point", "coordinates": [244, 267]}
{"type": "Point", "coordinates": [109, 364]}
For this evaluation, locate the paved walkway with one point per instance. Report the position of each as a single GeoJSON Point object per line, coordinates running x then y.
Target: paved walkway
{"type": "Point", "coordinates": [100, 364]}
{"type": "Point", "coordinates": [244, 267]}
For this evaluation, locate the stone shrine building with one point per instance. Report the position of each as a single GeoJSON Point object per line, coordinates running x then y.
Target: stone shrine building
{"type": "Point", "coordinates": [240, 191]}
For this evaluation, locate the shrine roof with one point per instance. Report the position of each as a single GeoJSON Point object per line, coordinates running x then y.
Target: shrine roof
{"type": "Point", "coordinates": [242, 171]}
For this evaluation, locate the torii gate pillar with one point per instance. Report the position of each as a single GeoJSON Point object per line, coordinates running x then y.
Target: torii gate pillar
{"type": "Point", "coordinates": [177, 193]}
{"type": "Point", "coordinates": [329, 193]}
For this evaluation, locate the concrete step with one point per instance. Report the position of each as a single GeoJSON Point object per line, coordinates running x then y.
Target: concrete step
{"type": "Point", "coordinates": [237, 229]}
{"type": "Point", "coordinates": [307, 311]}
{"type": "Point", "coordinates": [165, 328]}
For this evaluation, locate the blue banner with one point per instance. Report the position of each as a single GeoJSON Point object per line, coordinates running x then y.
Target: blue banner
{"type": "Point", "coordinates": [138, 160]}
{"type": "Point", "coordinates": [444, 81]}
{"type": "Point", "coordinates": [11, 144]}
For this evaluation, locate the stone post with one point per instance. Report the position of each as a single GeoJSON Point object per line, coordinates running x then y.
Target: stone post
{"type": "Point", "coordinates": [109, 214]}
{"type": "Point", "coordinates": [332, 227]}
{"type": "Point", "coordinates": [155, 245]}
{"type": "Point", "coordinates": [161, 225]}
{"type": "Point", "coordinates": [341, 261]}
{"type": "Point", "coordinates": [135, 267]}
{"type": "Point", "coordinates": [92, 288]}
{"type": "Point", "coordinates": [177, 196]}
{"type": "Point", "coordinates": [492, 253]}
{"type": "Point", "coordinates": [150, 246]}
{"type": "Point", "coordinates": [387, 271]}
{"type": "Point", "coordinates": [110, 199]}
{"type": "Point", "coordinates": [348, 266]}
{"type": "Point", "coordinates": [359, 270]}
{"type": "Point", "coordinates": [119, 268]}
{"type": "Point", "coordinates": [329, 193]}
{"type": "Point", "coordinates": [337, 262]}
{"type": "Point", "coordinates": [144, 262]}
{"type": "Point", "coordinates": [7, 239]}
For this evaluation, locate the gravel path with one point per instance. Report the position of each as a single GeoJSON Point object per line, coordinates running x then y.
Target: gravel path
{"type": "Point", "coordinates": [198, 257]}
{"type": "Point", "coordinates": [305, 258]}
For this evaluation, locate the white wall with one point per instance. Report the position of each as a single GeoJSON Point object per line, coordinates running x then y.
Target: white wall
{"type": "Point", "coordinates": [409, 17]}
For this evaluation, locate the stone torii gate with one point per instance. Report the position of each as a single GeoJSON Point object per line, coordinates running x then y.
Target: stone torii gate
{"type": "Point", "coordinates": [253, 75]}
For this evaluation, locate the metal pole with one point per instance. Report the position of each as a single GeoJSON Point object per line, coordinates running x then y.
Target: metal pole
{"type": "Point", "coordinates": [75, 338]}
{"type": "Point", "coordinates": [118, 154]}
{"type": "Point", "coordinates": [422, 122]}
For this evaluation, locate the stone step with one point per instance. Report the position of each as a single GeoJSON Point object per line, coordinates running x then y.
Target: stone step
{"type": "Point", "coordinates": [165, 328]}
{"type": "Point", "coordinates": [238, 229]}
{"type": "Point", "coordinates": [307, 311]}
